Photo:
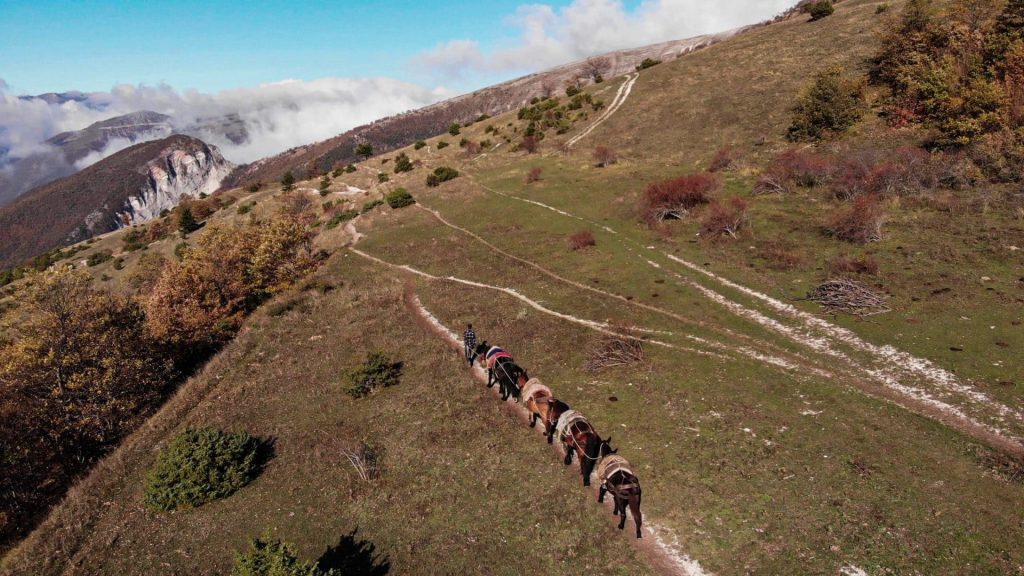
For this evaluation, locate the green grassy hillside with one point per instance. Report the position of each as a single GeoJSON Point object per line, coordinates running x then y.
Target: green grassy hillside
{"type": "Point", "coordinates": [769, 436]}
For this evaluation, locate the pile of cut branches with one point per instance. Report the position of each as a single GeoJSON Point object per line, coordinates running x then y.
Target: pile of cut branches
{"type": "Point", "coordinates": [850, 297]}
{"type": "Point", "coordinates": [615, 350]}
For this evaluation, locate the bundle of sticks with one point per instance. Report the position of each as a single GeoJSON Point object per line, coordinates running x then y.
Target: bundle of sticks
{"type": "Point", "coordinates": [615, 351]}
{"type": "Point", "coordinates": [850, 297]}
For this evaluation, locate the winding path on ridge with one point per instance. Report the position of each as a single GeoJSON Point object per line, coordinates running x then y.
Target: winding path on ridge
{"type": "Point", "coordinates": [883, 371]}
{"type": "Point", "coordinates": [617, 102]}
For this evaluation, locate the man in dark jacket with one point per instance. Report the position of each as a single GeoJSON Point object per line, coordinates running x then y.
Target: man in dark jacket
{"type": "Point", "coordinates": [469, 341]}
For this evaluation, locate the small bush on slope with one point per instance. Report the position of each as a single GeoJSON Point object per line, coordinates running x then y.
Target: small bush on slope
{"type": "Point", "coordinates": [201, 465]}
{"type": "Point", "coordinates": [831, 104]}
{"type": "Point", "coordinates": [441, 174]}
{"type": "Point", "coordinates": [377, 372]}
{"type": "Point", "coordinates": [271, 557]}
{"type": "Point", "coordinates": [399, 198]}
{"type": "Point", "coordinates": [672, 199]}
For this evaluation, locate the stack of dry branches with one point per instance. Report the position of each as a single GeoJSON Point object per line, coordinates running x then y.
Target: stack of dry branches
{"type": "Point", "coordinates": [850, 297]}
{"type": "Point", "coordinates": [615, 350]}
{"type": "Point", "coordinates": [365, 460]}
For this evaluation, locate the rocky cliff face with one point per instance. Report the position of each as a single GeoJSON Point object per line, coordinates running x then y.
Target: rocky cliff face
{"type": "Point", "coordinates": [132, 186]}
{"type": "Point", "coordinates": [176, 174]}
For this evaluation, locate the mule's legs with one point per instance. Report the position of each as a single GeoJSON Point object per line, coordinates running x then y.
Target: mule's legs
{"type": "Point", "coordinates": [568, 455]}
{"type": "Point", "coordinates": [533, 419]}
{"type": "Point", "coordinates": [549, 429]}
{"type": "Point", "coordinates": [638, 517]}
{"type": "Point", "coordinates": [622, 513]}
{"type": "Point", "coordinates": [490, 378]}
{"type": "Point", "coordinates": [586, 476]}
{"type": "Point", "coordinates": [600, 493]}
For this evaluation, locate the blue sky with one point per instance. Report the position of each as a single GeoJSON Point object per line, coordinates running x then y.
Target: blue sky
{"type": "Point", "coordinates": [210, 45]}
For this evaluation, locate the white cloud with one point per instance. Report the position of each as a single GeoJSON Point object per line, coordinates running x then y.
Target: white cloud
{"type": "Point", "coordinates": [549, 37]}
{"type": "Point", "coordinates": [277, 116]}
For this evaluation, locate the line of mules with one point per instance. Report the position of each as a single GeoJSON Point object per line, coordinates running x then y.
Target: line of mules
{"type": "Point", "coordinates": [577, 435]}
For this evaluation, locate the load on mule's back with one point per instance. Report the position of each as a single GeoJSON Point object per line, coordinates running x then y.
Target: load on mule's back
{"type": "Point", "coordinates": [616, 477]}
{"type": "Point", "coordinates": [502, 370]}
{"type": "Point", "coordinates": [579, 437]}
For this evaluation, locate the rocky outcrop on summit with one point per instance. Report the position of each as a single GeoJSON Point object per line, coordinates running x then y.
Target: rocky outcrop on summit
{"type": "Point", "coordinates": [130, 187]}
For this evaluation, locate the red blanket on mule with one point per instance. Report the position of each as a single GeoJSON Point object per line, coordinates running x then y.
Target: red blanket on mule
{"type": "Point", "coordinates": [493, 354]}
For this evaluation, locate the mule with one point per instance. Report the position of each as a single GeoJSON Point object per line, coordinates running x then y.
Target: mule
{"type": "Point", "coordinates": [543, 407]}
{"type": "Point", "coordinates": [502, 370]}
{"type": "Point", "coordinates": [616, 477]}
{"type": "Point", "coordinates": [579, 438]}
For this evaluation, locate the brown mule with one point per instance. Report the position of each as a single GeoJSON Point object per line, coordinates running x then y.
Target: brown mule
{"type": "Point", "coordinates": [579, 437]}
{"type": "Point", "coordinates": [615, 475]}
{"type": "Point", "coordinates": [547, 411]}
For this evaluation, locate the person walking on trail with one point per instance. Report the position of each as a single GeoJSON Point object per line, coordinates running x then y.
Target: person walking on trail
{"type": "Point", "coordinates": [469, 341]}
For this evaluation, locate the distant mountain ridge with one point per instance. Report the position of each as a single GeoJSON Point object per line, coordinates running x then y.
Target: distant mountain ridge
{"type": "Point", "coordinates": [129, 187]}
{"type": "Point", "coordinates": [404, 129]}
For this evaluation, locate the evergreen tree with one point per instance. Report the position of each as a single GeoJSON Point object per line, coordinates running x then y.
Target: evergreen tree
{"type": "Point", "coordinates": [288, 181]}
{"type": "Point", "coordinates": [187, 221]}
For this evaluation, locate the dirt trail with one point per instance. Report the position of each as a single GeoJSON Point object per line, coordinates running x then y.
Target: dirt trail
{"type": "Point", "coordinates": [662, 546]}
{"type": "Point", "coordinates": [882, 371]}
{"type": "Point", "coordinates": [617, 102]}
{"type": "Point", "coordinates": [783, 359]}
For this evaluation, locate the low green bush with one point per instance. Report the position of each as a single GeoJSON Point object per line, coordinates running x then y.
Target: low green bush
{"type": "Point", "coordinates": [201, 465]}
{"type": "Point", "coordinates": [379, 371]}
{"type": "Point", "coordinates": [442, 144]}
{"type": "Point", "coordinates": [271, 557]}
{"type": "Point", "coordinates": [441, 174]}
{"type": "Point", "coordinates": [419, 144]}
{"type": "Point", "coordinates": [371, 205]}
{"type": "Point", "coordinates": [399, 198]}
{"type": "Point", "coordinates": [820, 9]}
{"type": "Point", "coordinates": [340, 217]}
{"type": "Point", "coordinates": [99, 258]}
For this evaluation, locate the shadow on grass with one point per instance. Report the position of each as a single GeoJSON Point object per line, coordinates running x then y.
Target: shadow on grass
{"type": "Point", "coordinates": [352, 555]}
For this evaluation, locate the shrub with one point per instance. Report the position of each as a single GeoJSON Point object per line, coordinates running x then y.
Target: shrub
{"type": "Point", "coordinates": [795, 168]}
{"type": "Point", "coordinates": [325, 185]}
{"type": "Point", "coordinates": [402, 163]}
{"type": "Point", "coordinates": [441, 174]}
{"type": "Point", "coordinates": [820, 9]}
{"type": "Point", "coordinates": [187, 221]}
{"type": "Point", "coordinates": [119, 263]}
{"type": "Point", "coordinates": [272, 557]}
{"type": "Point", "coordinates": [781, 255]}
{"type": "Point", "coordinates": [201, 301]}
{"type": "Point", "coordinates": [454, 129]}
{"type": "Point", "coordinates": [371, 205]}
{"type": "Point", "coordinates": [351, 168]}
{"type": "Point", "coordinates": [98, 258]}
{"type": "Point", "coordinates": [882, 8]}
{"type": "Point", "coordinates": [287, 181]}
{"type": "Point", "coordinates": [201, 465]}
{"type": "Point", "coordinates": [673, 199]}
{"type": "Point", "coordinates": [253, 188]}
{"type": "Point", "coordinates": [399, 198]}
{"type": "Point", "coordinates": [831, 104]}
{"type": "Point", "coordinates": [725, 159]}
{"type": "Point", "coordinates": [725, 218]}
{"type": "Point", "coordinates": [860, 222]}
{"type": "Point", "coordinates": [245, 208]}
{"type": "Point", "coordinates": [530, 143]}
{"type": "Point", "coordinates": [582, 239]}
{"type": "Point", "coordinates": [844, 265]}
{"type": "Point", "coordinates": [337, 172]}
{"type": "Point", "coordinates": [647, 63]}
{"type": "Point", "coordinates": [534, 174]}
{"type": "Point", "coordinates": [605, 156]}
{"type": "Point", "coordinates": [365, 460]}
{"type": "Point", "coordinates": [382, 177]}
{"type": "Point", "coordinates": [905, 171]}
{"type": "Point", "coordinates": [442, 144]}
{"type": "Point", "coordinates": [378, 371]}
{"type": "Point", "coordinates": [572, 90]}
{"type": "Point", "coordinates": [364, 149]}
{"type": "Point", "coordinates": [419, 144]}
{"type": "Point", "coordinates": [343, 216]}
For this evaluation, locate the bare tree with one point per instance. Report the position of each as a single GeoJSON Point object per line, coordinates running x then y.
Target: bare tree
{"type": "Point", "coordinates": [596, 67]}
{"type": "Point", "coordinates": [548, 86]}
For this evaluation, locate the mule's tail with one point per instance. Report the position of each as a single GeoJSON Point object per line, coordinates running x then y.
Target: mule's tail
{"type": "Point", "coordinates": [634, 509]}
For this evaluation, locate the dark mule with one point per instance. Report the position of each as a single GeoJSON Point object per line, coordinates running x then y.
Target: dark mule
{"type": "Point", "coordinates": [502, 370]}
{"type": "Point", "coordinates": [615, 475]}
{"type": "Point", "coordinates": [579, 437]}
